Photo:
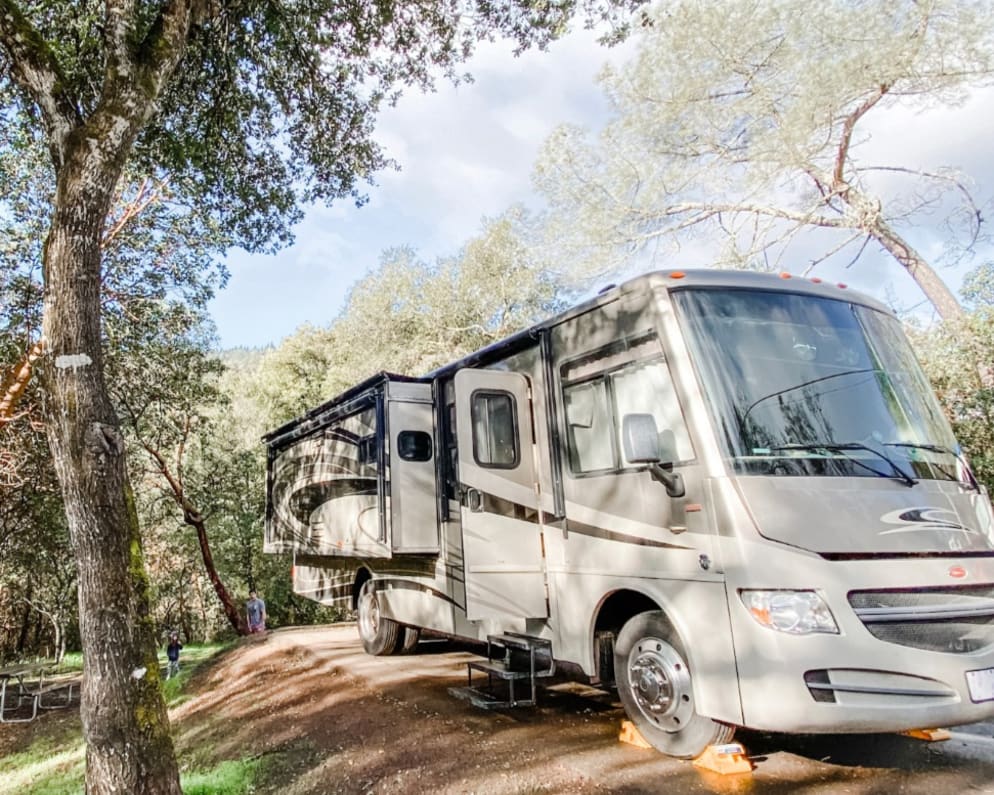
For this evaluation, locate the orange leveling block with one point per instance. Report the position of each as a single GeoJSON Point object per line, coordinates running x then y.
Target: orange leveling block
{"type": "Point", "coordinates": [632, 736]}
{"type": "Point", "coordinates": [724, 759]}
{"type": "Point", "coordinates": [931, 735]}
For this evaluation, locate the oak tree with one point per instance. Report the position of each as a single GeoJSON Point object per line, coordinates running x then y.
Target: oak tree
{"type": "Point", "coordinates": [248, 108]}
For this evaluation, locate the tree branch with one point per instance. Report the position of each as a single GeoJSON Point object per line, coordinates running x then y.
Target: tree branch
{"type": "Point", "coordinates": [119, 24]}
{"type": "Point", "coordinates": [842, 155]}
{"type": "Point", "coordinates": [832, 252]}
{"type": "Point", "coordinates": [976, 217]}
{"type": "Point", "coordinates": [14, 391]}
{"type": "Point", "coordinates": [165, 43]}
{"type": "Point", "coordinates": [36, 70]}
{"type": "Point", "coordinates": [705, 210]}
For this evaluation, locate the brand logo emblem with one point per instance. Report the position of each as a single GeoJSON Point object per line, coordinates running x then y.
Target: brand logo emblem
{"type": "Point", "coordinates": [957, 571]}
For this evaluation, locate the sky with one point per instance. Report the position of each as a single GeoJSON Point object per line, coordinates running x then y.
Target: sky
{"type": "Point", "coordinates": [466, 153]}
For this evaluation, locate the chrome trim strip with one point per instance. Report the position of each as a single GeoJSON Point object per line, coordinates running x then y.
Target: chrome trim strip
{"type": "Point", "coordinates": [883, 691]}
{"type": "Point", "coordinates": [923, 614]}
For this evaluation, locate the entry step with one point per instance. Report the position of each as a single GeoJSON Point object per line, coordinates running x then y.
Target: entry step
{"type": "Point", "coordinates": [497, 668]}
{"type": "Point", "coordinates": [511, 657]}
{"type": "Point", "coordinates": [522, 653]}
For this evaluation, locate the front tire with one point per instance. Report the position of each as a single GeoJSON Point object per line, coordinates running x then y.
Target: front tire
{"type": "Point", "coordinates": [655, 684]}
{"type": "Point", "coordinates": [379, 635]}
{"type": "Point", "coordinates": [407, 640]}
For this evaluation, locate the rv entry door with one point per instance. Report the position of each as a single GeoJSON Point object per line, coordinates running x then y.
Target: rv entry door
{"type": "Point", "coordinates": [502, 541]}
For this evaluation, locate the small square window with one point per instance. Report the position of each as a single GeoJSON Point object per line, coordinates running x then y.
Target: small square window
{"type": "Point", "coordinates": [367, 449]}
{"type": "Point", "coordinates": [414, 446]}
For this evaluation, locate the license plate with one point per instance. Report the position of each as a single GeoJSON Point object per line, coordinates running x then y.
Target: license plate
{"type": "Point", "coordinates": [981, 684]}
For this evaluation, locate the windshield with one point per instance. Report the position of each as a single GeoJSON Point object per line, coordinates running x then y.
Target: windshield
{"type": "Point", "coordinates": [802, 385]}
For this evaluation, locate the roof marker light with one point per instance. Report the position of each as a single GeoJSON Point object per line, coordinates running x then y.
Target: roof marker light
{"type": "Point", "coordinates": [785, 275]}
{"type": "Point", "coordinates": [842, 286]}
{"type": "Point", "coordinates": [677, 274]}
{"type": "Point", "coordinates": [816, 280]}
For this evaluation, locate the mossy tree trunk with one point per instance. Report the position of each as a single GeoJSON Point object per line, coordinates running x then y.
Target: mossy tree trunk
{"type": "Point", "coordinates": [125, 724]}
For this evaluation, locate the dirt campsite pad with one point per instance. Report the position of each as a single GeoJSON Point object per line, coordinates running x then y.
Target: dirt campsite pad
{"type": "Point", "coordinates": [350, 723]}
{"type": "Point", "coordinates": [331, 719]}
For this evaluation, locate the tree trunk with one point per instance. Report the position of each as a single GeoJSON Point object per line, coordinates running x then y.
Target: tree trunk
{"type": "Point", "coordinates": [22, 637]}
{"type": "Point", "coordinates": [935, 289]}
{"type": "Point", "coordinates": [927, 279]}
{"type": "Point", "coordinates": [15, 390]}
{"type": "Point", "coordinates": [60, 647]}
{"type": "Point", "coordinates": [195, 519]}
{"type": "Point", "coordinates": [231, 611]}
{"type": "Point", "coordinates": [125, 724]}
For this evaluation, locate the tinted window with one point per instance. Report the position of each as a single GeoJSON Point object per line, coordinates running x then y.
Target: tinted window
{"type": "Point", "coordinates": [596, 406]}
{"type": "Point", "coordinates": [495, 431]}
{"type": "Point", "coordinates": [789, 376]}
{"type": "Point", "coordinates": [414, 446]}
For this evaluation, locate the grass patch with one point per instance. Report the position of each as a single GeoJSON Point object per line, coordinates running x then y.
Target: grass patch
{"type": "Point", "coordinates": [231, 777]}
{"type": "Point", "coordinates": [43, 770]}
{"type": "Point", "coordinates": [72, 662]}
{"type": "Point", "coordinates": [190, 659]}
{"type": "Point", "coordinates": [55, 763]}
{"type": "Point", "coordinates": [52, 765]}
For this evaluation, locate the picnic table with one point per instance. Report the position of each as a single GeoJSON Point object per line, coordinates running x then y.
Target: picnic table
{"type": "Point", "coordinates": [22, 682]}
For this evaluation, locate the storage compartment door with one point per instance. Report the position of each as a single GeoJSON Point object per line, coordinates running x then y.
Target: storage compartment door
{"type": "Point", "coordinates": [502, 540]}
{"type": "Point", "coordinates": [413, 501]}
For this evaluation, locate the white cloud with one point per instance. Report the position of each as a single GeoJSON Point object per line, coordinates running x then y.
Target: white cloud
{"type": "Point", "coordinates": [465, 152]}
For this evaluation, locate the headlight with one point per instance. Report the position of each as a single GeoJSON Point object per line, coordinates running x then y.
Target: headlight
{"type": "Point", "coordinates": [794, 612]}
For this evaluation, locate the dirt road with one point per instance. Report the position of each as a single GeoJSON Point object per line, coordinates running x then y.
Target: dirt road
{"type": "Point", "coordinates": [350, 723]}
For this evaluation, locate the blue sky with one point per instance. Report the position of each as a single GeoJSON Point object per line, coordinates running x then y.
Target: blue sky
{"type": "Point", "coordinates": [467, 152]}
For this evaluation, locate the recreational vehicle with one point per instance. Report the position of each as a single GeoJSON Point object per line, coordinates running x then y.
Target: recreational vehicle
{"type": "Point", "coordinates": [732, 495]}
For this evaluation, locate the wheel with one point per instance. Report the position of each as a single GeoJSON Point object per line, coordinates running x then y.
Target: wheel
{"type": "Point", "coordinates": [656, 688]}
{"type": "Point", "coordinates": [407, 640]}
{"type": "Point", "coordinates": [379, 635]}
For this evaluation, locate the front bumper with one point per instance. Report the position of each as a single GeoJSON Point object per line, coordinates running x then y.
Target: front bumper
{"type": "Point", "coordinates": [853, 681]}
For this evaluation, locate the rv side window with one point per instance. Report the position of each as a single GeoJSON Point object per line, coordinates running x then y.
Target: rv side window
{"type": "Point", "coordinates": [414, 446]}
{"type": "Point", "coordinates": [495, 430]}
{"type": "Point", "coordinates": [595, 408]}
{"type": "Point", "coordinates": [367, 449]}
{"type": "Point", "coordinates": [646, 388]}
{"type": "Point", "coordinates": [591, 426]}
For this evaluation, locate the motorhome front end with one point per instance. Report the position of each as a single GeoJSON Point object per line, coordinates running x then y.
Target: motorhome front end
{"type": "Point", "coordinates": [733, 495]}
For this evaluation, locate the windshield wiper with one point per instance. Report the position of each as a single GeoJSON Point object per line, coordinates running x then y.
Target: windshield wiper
{"type": "Point", "coordinates": [842, 447]}
{"type": "Point", "coordinates": [971, 481]}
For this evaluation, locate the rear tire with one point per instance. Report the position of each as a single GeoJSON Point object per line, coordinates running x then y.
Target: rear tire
{"type": "Point", "coordinates": [656, 687]}
{"type": "Point", "coordinates": [379, 635]}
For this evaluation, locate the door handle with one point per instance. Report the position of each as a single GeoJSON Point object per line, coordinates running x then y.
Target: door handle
{"type": "Point", "coordinates": [473, 499]}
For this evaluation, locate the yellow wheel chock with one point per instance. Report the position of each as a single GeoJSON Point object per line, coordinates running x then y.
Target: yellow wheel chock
{"type": "Point", "coordinates": [929, 735]}
{"type": "Point", "coordinates": [724, 759]}
{"type": "Point", "coordinates": [632, 736]}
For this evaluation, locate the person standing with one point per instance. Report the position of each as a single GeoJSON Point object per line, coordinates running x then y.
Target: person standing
{"type": "Point", "coordinates": [172, 654]}
{"type": "Point", "coordinates": [255, 613]}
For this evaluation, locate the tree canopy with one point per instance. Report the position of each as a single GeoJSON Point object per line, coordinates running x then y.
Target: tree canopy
{"type": "Point", "coordinates": [747, 122]}
{"type": "Point", "coordinates": [246, 108]}
{"type": "Point", "coordinates": [275, 103]}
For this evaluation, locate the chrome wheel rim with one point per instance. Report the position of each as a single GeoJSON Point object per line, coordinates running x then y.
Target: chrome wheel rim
{"type": "Point", "coordinates": [660, 684]}
{"type": "Point", "coordinates": [369, 611]}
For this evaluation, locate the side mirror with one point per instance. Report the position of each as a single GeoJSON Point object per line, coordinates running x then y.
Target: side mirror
{"type": "Point", "coordinates": [640, 442]}
{"type": "Point", "coordinates": [640, 439]}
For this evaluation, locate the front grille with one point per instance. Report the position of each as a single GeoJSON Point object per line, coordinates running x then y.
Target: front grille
{"type": "Point", "coordinates": [950, 620]}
